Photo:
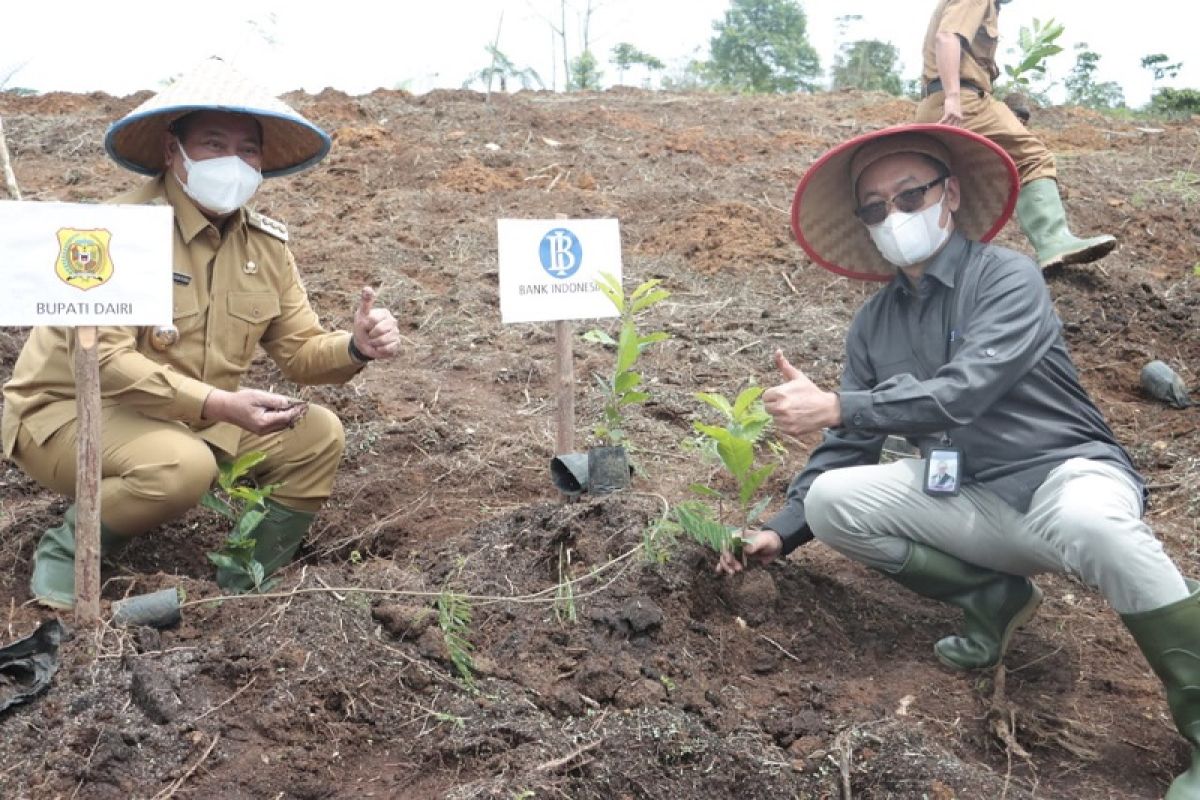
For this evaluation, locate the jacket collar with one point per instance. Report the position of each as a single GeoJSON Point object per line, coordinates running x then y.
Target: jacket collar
{"type": "Point", "coordinates": [943, 267]}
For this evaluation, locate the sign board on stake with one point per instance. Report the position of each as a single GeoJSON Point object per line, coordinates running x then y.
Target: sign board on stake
{"type": "Point", "coordinates": [548, 271]}
{"type": "Point", "coordinates": [83, 265]}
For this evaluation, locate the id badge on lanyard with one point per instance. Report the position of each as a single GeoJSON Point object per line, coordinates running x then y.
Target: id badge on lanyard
{"type": "Point", "coordinates": [943, 469]}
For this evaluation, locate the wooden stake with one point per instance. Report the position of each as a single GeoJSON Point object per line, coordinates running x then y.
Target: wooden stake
{"type": "Point", "coordinates": [564, 439]}
{"type": "Point", "coordinates": [564, 359]}
{"type": "Point", "coordinates": [87, 479]}
{"type": "Point", "coordinates": [10, 177]}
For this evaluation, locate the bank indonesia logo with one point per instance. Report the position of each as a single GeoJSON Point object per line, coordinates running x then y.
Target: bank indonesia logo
{"type": "Point", "coordinates": [561, 253]}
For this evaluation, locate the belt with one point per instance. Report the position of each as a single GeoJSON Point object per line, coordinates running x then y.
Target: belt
{"type": "Point", "coordinates": [935, 86]}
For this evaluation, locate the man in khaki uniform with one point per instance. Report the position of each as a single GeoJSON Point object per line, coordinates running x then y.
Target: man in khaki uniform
{"type": "Point", "coordinates": [959, 67]}
{"type": "Point", "coordinates": [172, 406]}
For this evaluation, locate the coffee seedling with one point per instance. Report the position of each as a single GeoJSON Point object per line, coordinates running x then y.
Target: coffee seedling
{"type": "Point", "coordinates": [735, 444]}
{"type": "Point", "coordinates": [242, 504]}
{"type": "Point", "coordinates": [621, 389]}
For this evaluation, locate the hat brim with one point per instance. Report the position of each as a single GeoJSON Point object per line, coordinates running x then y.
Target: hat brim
{"type": "Point", "coordinates": [290, 142]}
{"type": "Point", "coordinates": [823, 219]}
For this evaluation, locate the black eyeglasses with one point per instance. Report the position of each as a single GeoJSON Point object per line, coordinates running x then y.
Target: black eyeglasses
{"type": "Point", "coordinates": [908, 201]}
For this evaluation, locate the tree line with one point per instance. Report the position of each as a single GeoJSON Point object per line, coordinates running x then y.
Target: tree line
{"type": "Point", "coordinates": [762, 46]}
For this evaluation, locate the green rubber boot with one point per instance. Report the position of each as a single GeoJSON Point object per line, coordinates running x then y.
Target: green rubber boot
{"type": "Point", "coordinates": [994, 604]}
{"type": "Point", "coordinates": [53, 580]}
{"type": "Point", "coordinates": [1170, 639]}
{"type": "Point", "coordinates": [1044, 222]}
{"type": "Point", "coordinates": [276, 540]}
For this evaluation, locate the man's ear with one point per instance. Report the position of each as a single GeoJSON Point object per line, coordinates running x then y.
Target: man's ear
{"type": "Point", "coordinates": [952, 194]}
{"type": "Point", "coordinates": [170, 148]}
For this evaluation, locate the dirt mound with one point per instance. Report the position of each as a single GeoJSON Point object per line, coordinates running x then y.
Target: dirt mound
{"type": "Point", "coordinates": [605, 660]}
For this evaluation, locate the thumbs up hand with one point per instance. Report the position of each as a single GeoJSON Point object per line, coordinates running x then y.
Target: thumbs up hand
{"type": "Point", "coordinates": [797, 405]}
{"type": "Point", "coordinates": [375, 332]}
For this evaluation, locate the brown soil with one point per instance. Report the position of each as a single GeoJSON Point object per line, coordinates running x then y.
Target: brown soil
{"type": "Point", "coordinates": [812, 678]}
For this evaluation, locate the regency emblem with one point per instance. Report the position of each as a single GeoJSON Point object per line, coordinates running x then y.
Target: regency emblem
{"type": "Point", "coordinates": [83, 257]}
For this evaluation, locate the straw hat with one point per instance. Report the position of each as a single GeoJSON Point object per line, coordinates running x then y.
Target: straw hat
{"type": "Point", "coordinates": [290, 142]}
{"type": "Point", "coordinates": [823, 209]}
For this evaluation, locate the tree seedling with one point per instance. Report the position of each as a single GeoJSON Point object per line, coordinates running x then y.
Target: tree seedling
{"type": "Point", "coordinates": [244, 505]}
{"type": "Point", "coordinates": [454, 618]}
{"type": "Point", "coordinates": [623, 387]}
{"type": "Point", "coordinates": [1037, 44]}
{"type": "Point", "coordinates": [735, 444]}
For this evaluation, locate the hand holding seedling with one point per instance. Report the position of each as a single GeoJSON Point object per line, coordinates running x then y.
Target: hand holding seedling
{"type": "Point", "coordinates": [376, 334]}
{"type": "Point", "coordinates": [799, 406]}
{"type": "Point", "coordinates": [254, 410]}
{"type": "Point", "coordinates": [759, 548]}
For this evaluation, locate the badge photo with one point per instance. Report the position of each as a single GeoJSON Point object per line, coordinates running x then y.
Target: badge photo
{"type": "Point", "coordinates": [942, 472]}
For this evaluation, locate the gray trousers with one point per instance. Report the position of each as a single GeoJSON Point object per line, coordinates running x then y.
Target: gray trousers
{"type": "Point", "coordinates": [1085, 521]}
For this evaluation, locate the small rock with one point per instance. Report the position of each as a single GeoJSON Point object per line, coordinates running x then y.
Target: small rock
{"type": "Point", "coordinates": [1162, 383]}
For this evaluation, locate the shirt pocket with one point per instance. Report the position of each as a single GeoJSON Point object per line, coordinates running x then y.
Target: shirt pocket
{"type": "Point", "coordinates": [249, 315]}
{"type": "Point", "coordinates": [187, 319]}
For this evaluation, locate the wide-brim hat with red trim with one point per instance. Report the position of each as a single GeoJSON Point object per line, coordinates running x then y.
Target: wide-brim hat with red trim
{"type": "Point", "coordinates": [823, 219]}
{"type": "Point", "coordinates": [290, 142]}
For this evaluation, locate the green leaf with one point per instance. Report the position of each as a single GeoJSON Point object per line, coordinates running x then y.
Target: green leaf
{"type": "Point", "coordinates": [214, 503]}
{"type": "Point", "coordinates": [225, 562]}
{"type": "Point", "coordinates": [626, 381]}
{"type": "Point", "coordinates": [246, 494]}
{"type": "Point", "coordinates": [652, 338]}
{"type": "Point", "coordinates": [599, 337]}
{"type": "Point", "coordinates": [257, 573]}
{"type": "Point", "coordinates": [702, 528]}
{"type": "Point", "coordinates": [649, 300]}
{"type": "Point", "coordinates": [241, 549]}
{"type": "Point", "coordinates": [705, 491]}
{"type": "Point", "coordinates": [752, 429]}
{"type": "Point", "coordinates": [627, 348]}
{"type": "Point", "coordinates": [244, 463]}
{"type": "Point", "coordinates": [757, 511]}
{"type": "Point", "coordinates": [737, 455]}
{"type": "Point", "coordinates": [753, 481]}
{"type": "Point", "coordinates": [608, 284]}
{"type": "Point", "coordinates": [716, 401]}
{"type": "Point", "coordinates": [249, 522]}
{"type": "Point", "coordinates": [713, 432]}
{"type": "Point", "coordinates": [744, 401]}
{"type": "Point", "coordinates": [644, 287]}
{"type": "Point", "coordinates": [630, 398]}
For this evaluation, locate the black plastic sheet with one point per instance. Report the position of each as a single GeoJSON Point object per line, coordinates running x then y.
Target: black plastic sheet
{"type": "Point", "coordinates": [27, 665]}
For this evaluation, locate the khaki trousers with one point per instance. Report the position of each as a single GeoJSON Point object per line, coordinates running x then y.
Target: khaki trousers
{"type": "Point", "coordinates": [987, 116]}
{"type": "Point", "coordinates": [1085, 520]}
{"type": "Point", "coordinates": [153, 471]}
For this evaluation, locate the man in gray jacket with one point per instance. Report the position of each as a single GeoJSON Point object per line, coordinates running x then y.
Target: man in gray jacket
{"type": "Point", "coordinates": [961, 352]}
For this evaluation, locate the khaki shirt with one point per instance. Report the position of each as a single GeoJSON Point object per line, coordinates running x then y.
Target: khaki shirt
{"type": "Point", "coordinates": [232, 292]}
{"type": "Point", "coordinates": [977, 24]}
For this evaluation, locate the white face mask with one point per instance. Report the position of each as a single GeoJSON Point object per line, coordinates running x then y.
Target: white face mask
{"type": "Point", "coordinates": [907, 239]}
{"type": "Point", "coordinates": [220, 185]}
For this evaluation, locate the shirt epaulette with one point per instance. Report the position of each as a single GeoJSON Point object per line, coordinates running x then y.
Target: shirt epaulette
{"type": "Point", "coordinates": [267, 225]}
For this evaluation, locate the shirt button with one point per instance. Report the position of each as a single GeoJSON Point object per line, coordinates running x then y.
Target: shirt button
{"type": "Point", "coordinates": [255, 312]}
{"type": "Point", "coordinates": [991, 351]}
{"type": "Point", "coordinates": [858, 419]}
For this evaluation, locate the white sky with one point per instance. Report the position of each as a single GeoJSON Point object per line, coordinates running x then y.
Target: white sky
{"type": "Point", "coordinates": [360, 45]}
